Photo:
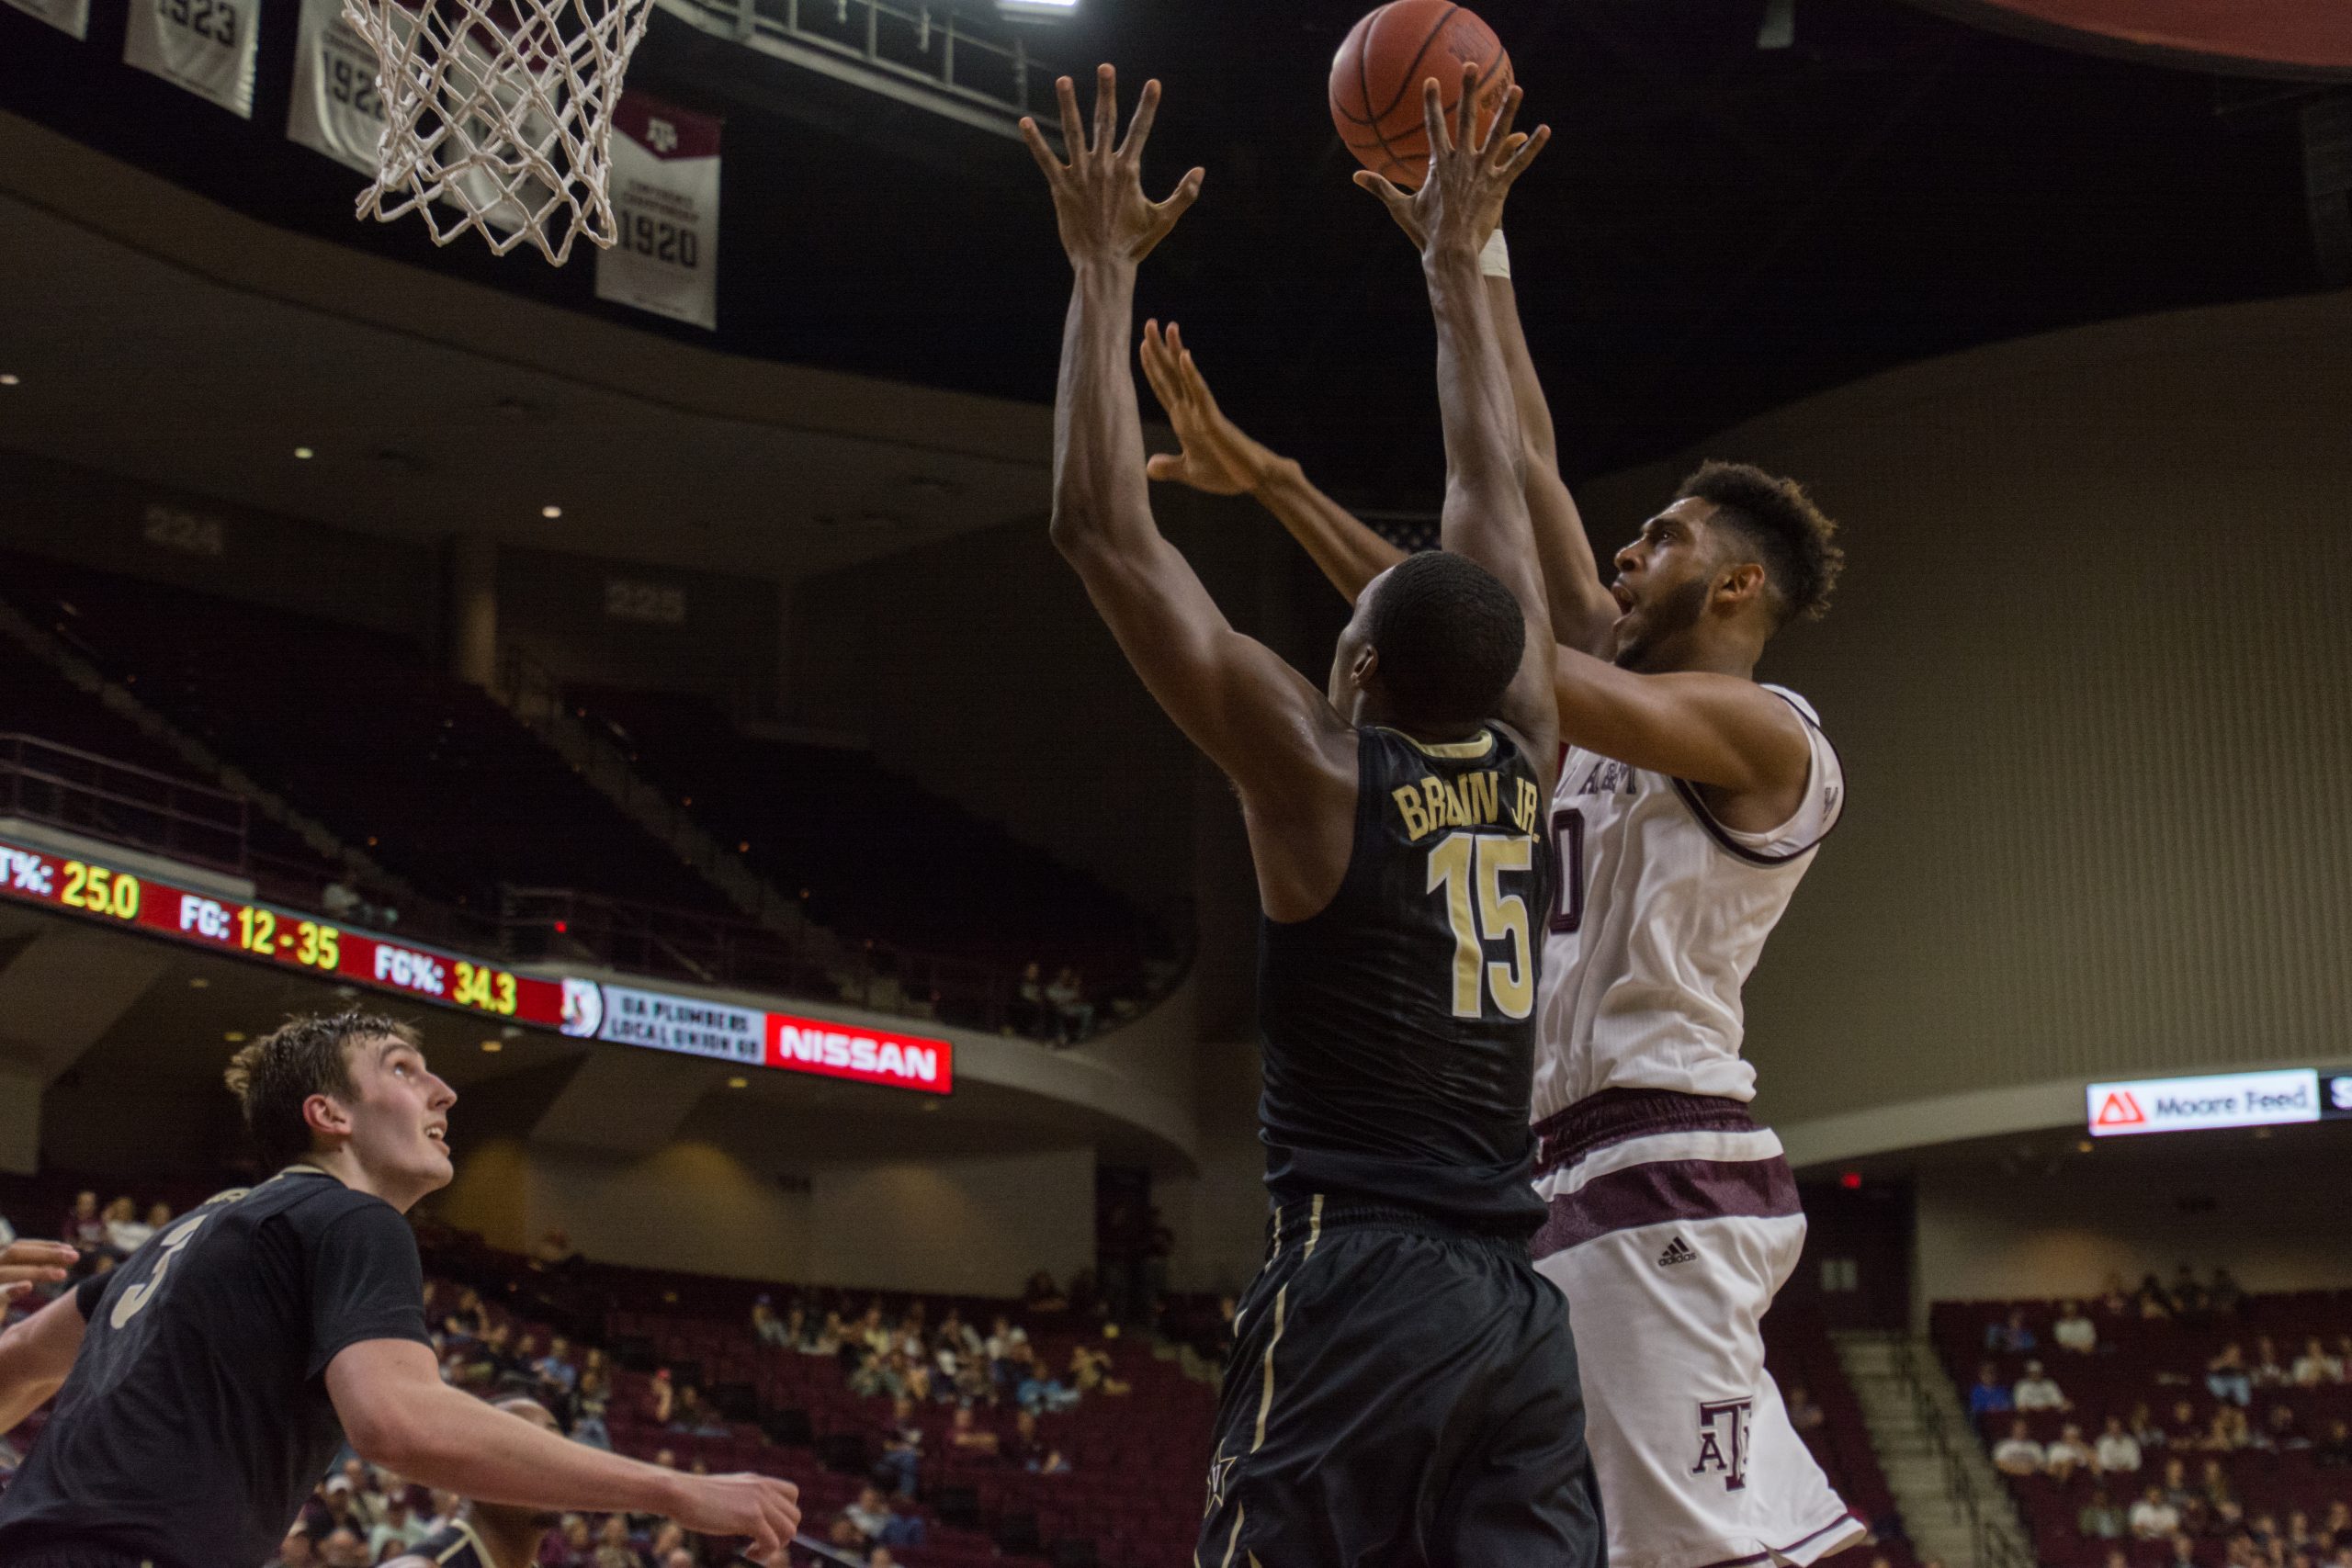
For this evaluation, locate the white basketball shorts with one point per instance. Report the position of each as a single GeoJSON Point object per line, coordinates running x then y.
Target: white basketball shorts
{"type": "Point", "coordinates": [1674, 1222]}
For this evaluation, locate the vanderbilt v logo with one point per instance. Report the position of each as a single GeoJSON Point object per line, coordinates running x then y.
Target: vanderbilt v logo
{"type": "Point", "coordinates": [1723, 1441]}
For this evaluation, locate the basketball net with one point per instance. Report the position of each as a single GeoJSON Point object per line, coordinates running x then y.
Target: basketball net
{"type": "Point", "coordinates": [498, 115]}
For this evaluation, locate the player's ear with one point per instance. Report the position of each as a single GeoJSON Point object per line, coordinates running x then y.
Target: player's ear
{"type": "Point", "coordinates": [1365, 666]}
{"type": "Point", "coordinates": [1739, 586]}
{"type": "Point", "coordinates": [326, 1115]}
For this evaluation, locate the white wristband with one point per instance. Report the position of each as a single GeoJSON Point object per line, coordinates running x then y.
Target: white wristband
{"type": "Point", "coordinates": [1495, 260]}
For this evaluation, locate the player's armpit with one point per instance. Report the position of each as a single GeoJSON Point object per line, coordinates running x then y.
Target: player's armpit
{"type": "Point", "coordinates": [35, 1357]}
{"type": "Point", "coordinates": [1716, 730]}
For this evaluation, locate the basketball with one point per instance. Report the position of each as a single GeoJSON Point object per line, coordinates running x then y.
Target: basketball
{"type": "Point", "coordinates": [1376, 80]}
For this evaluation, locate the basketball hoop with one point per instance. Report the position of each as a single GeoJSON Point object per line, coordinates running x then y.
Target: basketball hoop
{"type": "Point", "coordinates": [498, 115]}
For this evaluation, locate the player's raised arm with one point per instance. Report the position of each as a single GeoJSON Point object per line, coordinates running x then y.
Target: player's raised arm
{"type": "Point", "coordinates": [1220, 458]}
{"type": "Point", "coordinates": [1460, 203]}
{"type": "Point", "coordinates": [1271, 732]}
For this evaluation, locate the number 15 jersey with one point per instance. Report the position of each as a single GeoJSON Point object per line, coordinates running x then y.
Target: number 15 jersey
{"type": "Point", "coordinates": [1399, 1024]}
{"type": "Point", "coordinates": [1659, 915]}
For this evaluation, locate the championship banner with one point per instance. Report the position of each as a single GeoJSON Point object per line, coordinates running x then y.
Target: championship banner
{"type": "Point", "coordinates": [336, 108]}
{"type": "Point", "coordinates": [66, 15]}
{"type": "Point", "coordinates": [205, 46]}
{"type": "Point", "coordinates": [665, 201]}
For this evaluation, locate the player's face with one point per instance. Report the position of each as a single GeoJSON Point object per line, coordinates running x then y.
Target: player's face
{"type": "Point", "coordinates": [1664, 578]}
{"type": "Point", "coordinates": [400, 1121]}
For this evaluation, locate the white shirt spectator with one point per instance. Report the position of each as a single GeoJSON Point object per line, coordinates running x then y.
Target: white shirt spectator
{"type": "Point", "coordinates": [2118, 1453]}
{"type": "Point", "coordinates": [2075, 1332]}
{"type": "Point", "coordinates": [2018, 1456]}
{"type": "Point", "coordinates": [2036, 1391]}
{"type": "Point", "coordinates": [2315, 1367]}
{"type": "Point", "coordinates": [2153, 1518]}
{"type": "Point", "coordinates": [2069, 1453]}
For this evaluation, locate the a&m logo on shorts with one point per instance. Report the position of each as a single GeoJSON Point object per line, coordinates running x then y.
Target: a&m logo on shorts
{"type": "Point", "coordinates": [1723, 1440]}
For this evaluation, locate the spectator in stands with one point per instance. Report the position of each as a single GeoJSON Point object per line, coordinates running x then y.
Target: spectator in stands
{"type": "Point", "coordinates": [766, 1327]}
{"type": "Point", "coordinates": [2190, 1302]}
{"type": "Point", "coordinates": [1803, 1414]}
{"type": "Point", "coordinates": [595, 1400]}
{"type": "Point", "coordinates": [2214, 1482]}
{"type": "Point", "coordinates": [2072, 1331]}
{"type": "Point", "coordinates": [2185, 1430]}
{"type": "Point", "coordinates": [1003, 1335]}
{"type": "Point", "coordinates": [2010, 1336]}
{"type": "Point", "coordinates": [2038, 1390]}
{"type": "Point", "coordinates": [2224, 1295]}
{"type": "Point", "coordinates": [2184, 1553]}
{"type": "Point", "coordinates": [2118, 1453]}
{"type": "Point", "coordinates": [1991, 1395]}
{"type": "Point", "coordinates": [85, 1225]}
{"type": "Point", "coordinates": [660, 1398]}
{"type": "Point", "coordinates": [571, 1547]}
{"type": "Point", "coordinates": [2228, 1433]}
{"type": "Point", "coordinates": [1037, 1388]}
{"type": "Point", "coordinates": [613, 1548]}
{"type": "Point", "coordinates": [124, 1231]}
{"type": "Point", "coordinates": [1028, 1449]}
{"type": "Point", "coordinates": [294, 1551]}
{"type": "Point", "coordinates": [2113, 1299]}
{"type": "Point", "coordinates": [2018, 1454]}
{"type": "Point", "coordinates": [2150, 1302]}
{"type": "Point", "coordinates": [2337, 1530]}
{"type": "Point", "coordinates": [2269, 1371]}
{"type": "Point", "coordinates": [2228, 1377]}
{"type": "Point", "coordinates": [2153, 1518]}
{"type": "Point", "coordinates": [2343, 1357]}
{"type": "Point", "coordinates": [1073, 1014]}
{"type": "Point", "coordinates": [869, 1514]}
{"type": "Point", "coordinates": [2068, 1454]}
{"type": "Point", "coordinates": [2281, 1433]}
{"type": "Point", "coordinates": [1090, 1371]}
{"type": "Point", "coordinates": [331, 1508]}
{"type": "Point", "coordinates": [2335, 1451]}
{"type": "Point", "coordinates": [1027, 1013]}
{"type": "Point", "coordinates": [968, 1437]}
{"type": "Point", "coordinates": [2099, 1519]}
{"type": "Point", "coordinates": [2180, 1494]}
{"type": "Point", "coordinates": [902, 1462]}
{"type": "Point", "coordinates": [2315, 1368]}
{"type": "Point", "coordinates": [343, 1549]}
{"type": "Point", "coordinates": [398, 1530]}
{"type": "Point", "coordinates": [554, 1371]}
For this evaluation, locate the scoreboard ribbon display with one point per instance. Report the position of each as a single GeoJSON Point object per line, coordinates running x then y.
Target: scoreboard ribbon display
{"type": "Point", "coordinates": [582, 1007]}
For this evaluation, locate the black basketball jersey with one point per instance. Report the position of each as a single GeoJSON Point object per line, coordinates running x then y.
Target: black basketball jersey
{"type": "Point", "coordinates": [1399, 1024]}
{"type": "Point", "coordinates": [195, 1419]}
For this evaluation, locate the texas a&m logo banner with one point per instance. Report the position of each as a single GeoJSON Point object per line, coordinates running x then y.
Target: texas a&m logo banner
{"type": "Point", "coordinates": [664, 186]}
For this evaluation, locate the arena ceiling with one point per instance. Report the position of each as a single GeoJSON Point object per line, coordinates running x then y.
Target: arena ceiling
{"type": "Point", "coordinates": [1719, 228]}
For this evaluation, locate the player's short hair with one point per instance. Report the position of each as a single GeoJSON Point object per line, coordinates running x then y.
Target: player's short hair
{"type": "Point", "coordinates": [1450, 638]}
{"type": "Point", "coordinates": [1796, 544]}
{"type": "Point", "coordinates": [274, 1075]}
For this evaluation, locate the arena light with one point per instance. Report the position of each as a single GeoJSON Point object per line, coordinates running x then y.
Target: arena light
{"type": "Point", "coordinates": [1037, 10]}
{"type": "Point", "coordinates": [7, 378]}
{"type": "Point", "coordinates": [550, 512]}
{"type": "Point", "coordinates": [304, 453]}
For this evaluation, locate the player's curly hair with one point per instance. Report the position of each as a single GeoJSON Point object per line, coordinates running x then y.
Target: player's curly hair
{"type": "Point", "coordinates": [1795, 543]}
{"type": "Point", "coordinates": [274, 1075]}
{"type": "Point", "coordinates": [1450, 638]}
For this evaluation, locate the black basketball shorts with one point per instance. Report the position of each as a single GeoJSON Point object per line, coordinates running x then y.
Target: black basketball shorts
{"type": "Point", "coordinates": [1400, 1394]}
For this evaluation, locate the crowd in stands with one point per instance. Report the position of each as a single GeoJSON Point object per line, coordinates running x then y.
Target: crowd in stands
{"type": "Point", "coordinates": [2179, 1423]}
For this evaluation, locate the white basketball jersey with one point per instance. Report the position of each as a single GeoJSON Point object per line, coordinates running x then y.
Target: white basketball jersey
{"type": "Point", "coordinates": [1660, 914]}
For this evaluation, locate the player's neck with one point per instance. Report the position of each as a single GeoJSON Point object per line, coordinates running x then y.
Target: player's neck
{"type": "Point", "coordinates": [508, 1543]}
{"type": "Point", "coordinates": [400, 1192]}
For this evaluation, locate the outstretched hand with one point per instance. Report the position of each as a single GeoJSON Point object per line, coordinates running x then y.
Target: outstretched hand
{"type": "Point", "coordinates": [1098, 195]}
{"type": "Point", "coordinates": [1216, 457]}
{"type": "Point", "coordinates": [24, 1264]}
{"type": "Point", "coordinates": [1460, 202]}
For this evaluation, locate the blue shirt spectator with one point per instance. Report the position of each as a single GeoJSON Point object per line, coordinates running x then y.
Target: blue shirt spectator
{"type": "Point", "coordinates": [2012, 1338]}
{"type": "Point", "coordinates": [1991, 1395]}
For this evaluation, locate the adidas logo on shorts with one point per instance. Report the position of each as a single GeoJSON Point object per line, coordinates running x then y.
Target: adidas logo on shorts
{"type": "Point", "coordinates": [1678, 1251]}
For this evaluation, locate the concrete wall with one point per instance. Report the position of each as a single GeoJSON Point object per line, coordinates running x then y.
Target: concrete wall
{"type": "Point", "coordinates": [2092, 680]}
{"type": "Point", "coordinates": [980, 1226]}
{"type": "Point", "coordinates": [1987, 1233]}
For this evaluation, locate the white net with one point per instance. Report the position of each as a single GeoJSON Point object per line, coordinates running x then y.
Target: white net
{"type": "Point", "coordinates": [498, 115]}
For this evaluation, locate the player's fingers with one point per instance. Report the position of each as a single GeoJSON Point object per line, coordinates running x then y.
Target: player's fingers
{"type": "Point", "coordinates": [1518, 163]}
{"type": "Point", "coordinates": [1139, 129]}
{"type": "Point", "coordinates": [1106, 107]}
{"type": "Point", "coordinates": [1040, 149]}
{"type": "Point", "coordinates": [1433, 118]}
{"type": "Point", "coordinates": [1187, 193]}
{"type": "Point", "coordinates": [1379, 186]}
{"type": "Point", "coordinates": [1466, 108]}
{"type": "Point", "coordinates": [1073, 127]}
{"type": "Point", "coordinates": [40, 1252]}
{"type": "Point", "coordinates": [1164, 467]}
{"type": "Point", "coordinates": [1500, 137]}
{"type": "Point", "coordinates": [1160, 373]}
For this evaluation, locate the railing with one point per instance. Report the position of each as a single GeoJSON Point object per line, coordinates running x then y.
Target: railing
{"type": "Point", "coordinates": [925, 53]}
{"type": "Point", "coordinates": [43, 781]}
{"type": "Point", "coordinates": [1993, 1547]}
